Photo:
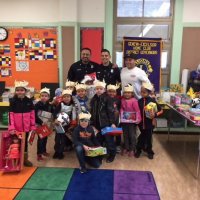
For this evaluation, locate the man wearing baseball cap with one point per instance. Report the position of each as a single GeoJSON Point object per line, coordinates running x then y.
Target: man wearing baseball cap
{"type": "Point", "coordinates": [133, 75]}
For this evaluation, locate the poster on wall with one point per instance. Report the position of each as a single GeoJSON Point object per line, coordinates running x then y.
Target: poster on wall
{"type": "Point", "coordinates": [21, 54]}
{"type": "Point", "coordinates": [22, 66]}
{"type": "Point", "coordinates": [21, 43]}
{"type": "Point", "coordinates": [5, 61]}
{"type": "Point", "coordinates": [5, 72]}
{"type": "Point", "coordinates": [148, 52]}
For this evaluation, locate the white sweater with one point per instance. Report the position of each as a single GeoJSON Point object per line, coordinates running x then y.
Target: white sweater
{"type": "Point", "coordinates": [134, 77]}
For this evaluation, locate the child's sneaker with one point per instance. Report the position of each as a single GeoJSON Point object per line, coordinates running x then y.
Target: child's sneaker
{"type": "Point", "coordinates": [110, 159]}
{"type": "Point", "coordinates": [124, 152]}
{"type": "Point", "coordinates": [150, 156]}
{"type": "Point", "coordinates": [118, 149]}
{"type": "Point", "coordinates": [39, 157]}
{"type": "Point", "coordinates": [55, 156]}
{"type": "Point", "coordinates": [137, 154]}
{"type": "Point", "coordinates": [130, 153]}
{"type": "Point", "coordinates": [60, 156]}
{"type": "Point", "coordinates": [46, 154]}
{"type": "Point", "coordinates": [83, 170]}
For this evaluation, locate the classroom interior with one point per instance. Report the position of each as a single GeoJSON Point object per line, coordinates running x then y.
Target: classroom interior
{"type": "Point", "coordinates": [72, 25]}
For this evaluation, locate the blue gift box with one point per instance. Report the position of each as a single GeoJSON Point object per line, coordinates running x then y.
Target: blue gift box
{"type": "Point", "coordinates": [111, 131]}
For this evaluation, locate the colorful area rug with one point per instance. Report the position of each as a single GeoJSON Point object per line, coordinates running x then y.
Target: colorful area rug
{"type": "Point", "coordinates": [70, 184]}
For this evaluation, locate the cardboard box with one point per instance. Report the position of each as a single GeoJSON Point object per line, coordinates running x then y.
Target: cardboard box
{"type": "Point", "coordinates": [96, 151]}
{"type": "Point", "coordinates": [161, 123]}
{"type": "Point", "coordinates": [6, 164]}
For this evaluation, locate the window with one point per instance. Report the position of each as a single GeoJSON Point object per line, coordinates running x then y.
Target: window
{"type": "Point", "coordinates": [144, 18]}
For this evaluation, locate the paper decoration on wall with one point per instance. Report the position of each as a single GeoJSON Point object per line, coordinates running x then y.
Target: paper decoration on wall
{"type": "Point", "coordinates": [5, 72]}
{"type": "Point", "coordinates": [22, 66]}
{"type": "Point", "coordinates": [21, 43]}
{"type": "Point", "coordinates": [49, 43]}
{"type": "Point", "coordinates": [21, 54]}
{"type": "Point", "coordinates": [50, 54]}
{"type": "Point", "coordinates": [4, 49]}
{"type": "Point", "coordinates": [35, 43]}
{"type": "Point", "coordinates": [36, 55]}
{"type": "Point", "coordinates": [5, 61]}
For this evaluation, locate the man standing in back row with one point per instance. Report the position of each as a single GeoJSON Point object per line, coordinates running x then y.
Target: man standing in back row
{"type": "Point", "coordinates": [133, 75]}
{"type": "Point", "coordinates": [108, 71]}
{"type": "Point", "coordinates": [84, 66]}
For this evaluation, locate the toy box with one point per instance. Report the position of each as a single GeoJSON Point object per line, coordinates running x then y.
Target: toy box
{"type": "Point", "coordinates": [175, 100]}
{"type": "Point", "coordinates": [150, 108]}
{"type": "Point", "coordinates": [43, 131]}
{"type": "Point", "coordinates": [185, 99]}
{"type": "Point", "coordinates": [9, 163]}
{"type": "Point", "coordinates": [128, 117]}
{"type": "Point", "coordinates": [96, 151]}
{"type": "Point", "coordinates": [111, 131]}
{"type": "Point", "coordinates": [46, 117]}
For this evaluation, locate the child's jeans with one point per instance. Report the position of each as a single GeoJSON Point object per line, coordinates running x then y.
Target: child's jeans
{"type": "Point", "coordinates": [145, 141]}
{"type": "Point", "coordinates": [92, 161]}
{"type": "Point", "coordinates": [41, 145]}
{"type": "Point", "coordinates": [129, 133]}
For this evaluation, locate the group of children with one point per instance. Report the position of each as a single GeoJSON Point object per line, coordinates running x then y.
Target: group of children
{"type": "Point", "coordinates": [89, 111]}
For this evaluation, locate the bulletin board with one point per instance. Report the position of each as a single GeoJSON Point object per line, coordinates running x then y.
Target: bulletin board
{"type": "Point", "coordinates": [93, 39]}
{"type": "Point", "coordinates": [29, 54]}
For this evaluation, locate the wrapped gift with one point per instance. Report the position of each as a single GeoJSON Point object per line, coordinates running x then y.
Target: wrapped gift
{"type": "Point", "coordinates": [150, 108]}
{"type": "Point", "coordinates": [11, 154]}
{"type": "Point", "coordinates": [31, 137]}
{"type": "Point", "coordinates": [111, 131]}
{"type": "Point", "coordinates": [194, 111]}
{"type": "Point", "coordinates": [43, 131]}
{"type": "Point", "coordinates": [59, 129]}
{"type": "Point", "coordinates": [195, 118]}
{"type": "Point", "coordinates": [185, 99]}
{"type": "Point", "coordinates": [46, 117]}
{"type": "Point", "coordinates": [128, 117]}
{"type": "Point", "coordinates": [175, 100]}
{"type": "Point", "coordinates": [183, 107]}
{"type": "Point", "coordinates": [176, 88]}
{"type": "Point", "coordinates": [96, 151]}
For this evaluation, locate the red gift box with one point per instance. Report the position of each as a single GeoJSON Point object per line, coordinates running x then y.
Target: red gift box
{"type": "Point", "coordinates": [31, 137]}
{"type": "Point", "coordinates": [43, 131]}
{"type": "Point", "coordinates": [11, 157]}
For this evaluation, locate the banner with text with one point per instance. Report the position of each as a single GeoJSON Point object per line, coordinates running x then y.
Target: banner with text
{"type": "Point", "coordinates": [148, 52]}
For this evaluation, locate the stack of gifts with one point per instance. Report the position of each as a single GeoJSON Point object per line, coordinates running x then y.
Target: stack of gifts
{"type": "Point", "coordinates": [175, 100]}
{"type": "Point", "coordinates": [96, 151]}
{"type": "Point", "coordinates": [195, 115]}
{"type": "Point", "coordinates": [150, 108]}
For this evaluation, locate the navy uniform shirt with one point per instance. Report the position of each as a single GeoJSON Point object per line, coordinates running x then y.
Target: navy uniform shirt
{"type": "Point", "coordinates": [109, 74]}
{"type": "Point", "coordinates": [78, 70]}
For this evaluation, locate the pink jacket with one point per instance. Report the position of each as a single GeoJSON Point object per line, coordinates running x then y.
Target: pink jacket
{"type": "Point", "coordinates": [130, 105]}
{"type": "Point", "coordinates": [21, 115]}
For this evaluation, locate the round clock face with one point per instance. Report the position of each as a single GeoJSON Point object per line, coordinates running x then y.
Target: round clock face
{"type": "Point", "coordinates": [3, 34]}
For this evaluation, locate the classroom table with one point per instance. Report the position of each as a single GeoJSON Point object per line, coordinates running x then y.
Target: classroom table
{"type": "Point", "coordinates": [186, 117]}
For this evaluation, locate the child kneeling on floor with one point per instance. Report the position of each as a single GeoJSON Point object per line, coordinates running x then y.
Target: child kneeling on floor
{"type": "Point", "coordinates": [83, 139]}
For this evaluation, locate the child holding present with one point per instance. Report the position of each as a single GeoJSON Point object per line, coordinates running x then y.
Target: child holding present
{"type": "Point", "coordinates": [40, 107]}
{"type": "Point", "coordinates": [130, 117]}
{"type": "Point", "coordinates": [66, 106]}
{"type": "Point", "coordinates": [146, 126]}
{"type": "Point", "coordinates": [112, 93]}
{"type": "Point", "coordinates": [103, 115]}
{"type": "Point", "coordinates": [83, 139]}
{"type": "Point", "coordinates": [22, 115]}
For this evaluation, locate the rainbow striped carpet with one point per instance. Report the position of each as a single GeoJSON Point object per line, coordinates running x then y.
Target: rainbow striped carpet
{"type": "Point", "coordinates": [69, 184]}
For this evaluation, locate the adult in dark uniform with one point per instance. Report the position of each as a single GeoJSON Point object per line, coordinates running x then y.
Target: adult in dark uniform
{"type": "Point", "coordinates": [108, 71]}
{"type": "Point", "coordinates": [84, 66]}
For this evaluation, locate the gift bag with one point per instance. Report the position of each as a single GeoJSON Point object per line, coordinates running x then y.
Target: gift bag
{"type": "Point", "coordinates": [43, 131]}
{"type": "Point", "coordinates": [11, 154]}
